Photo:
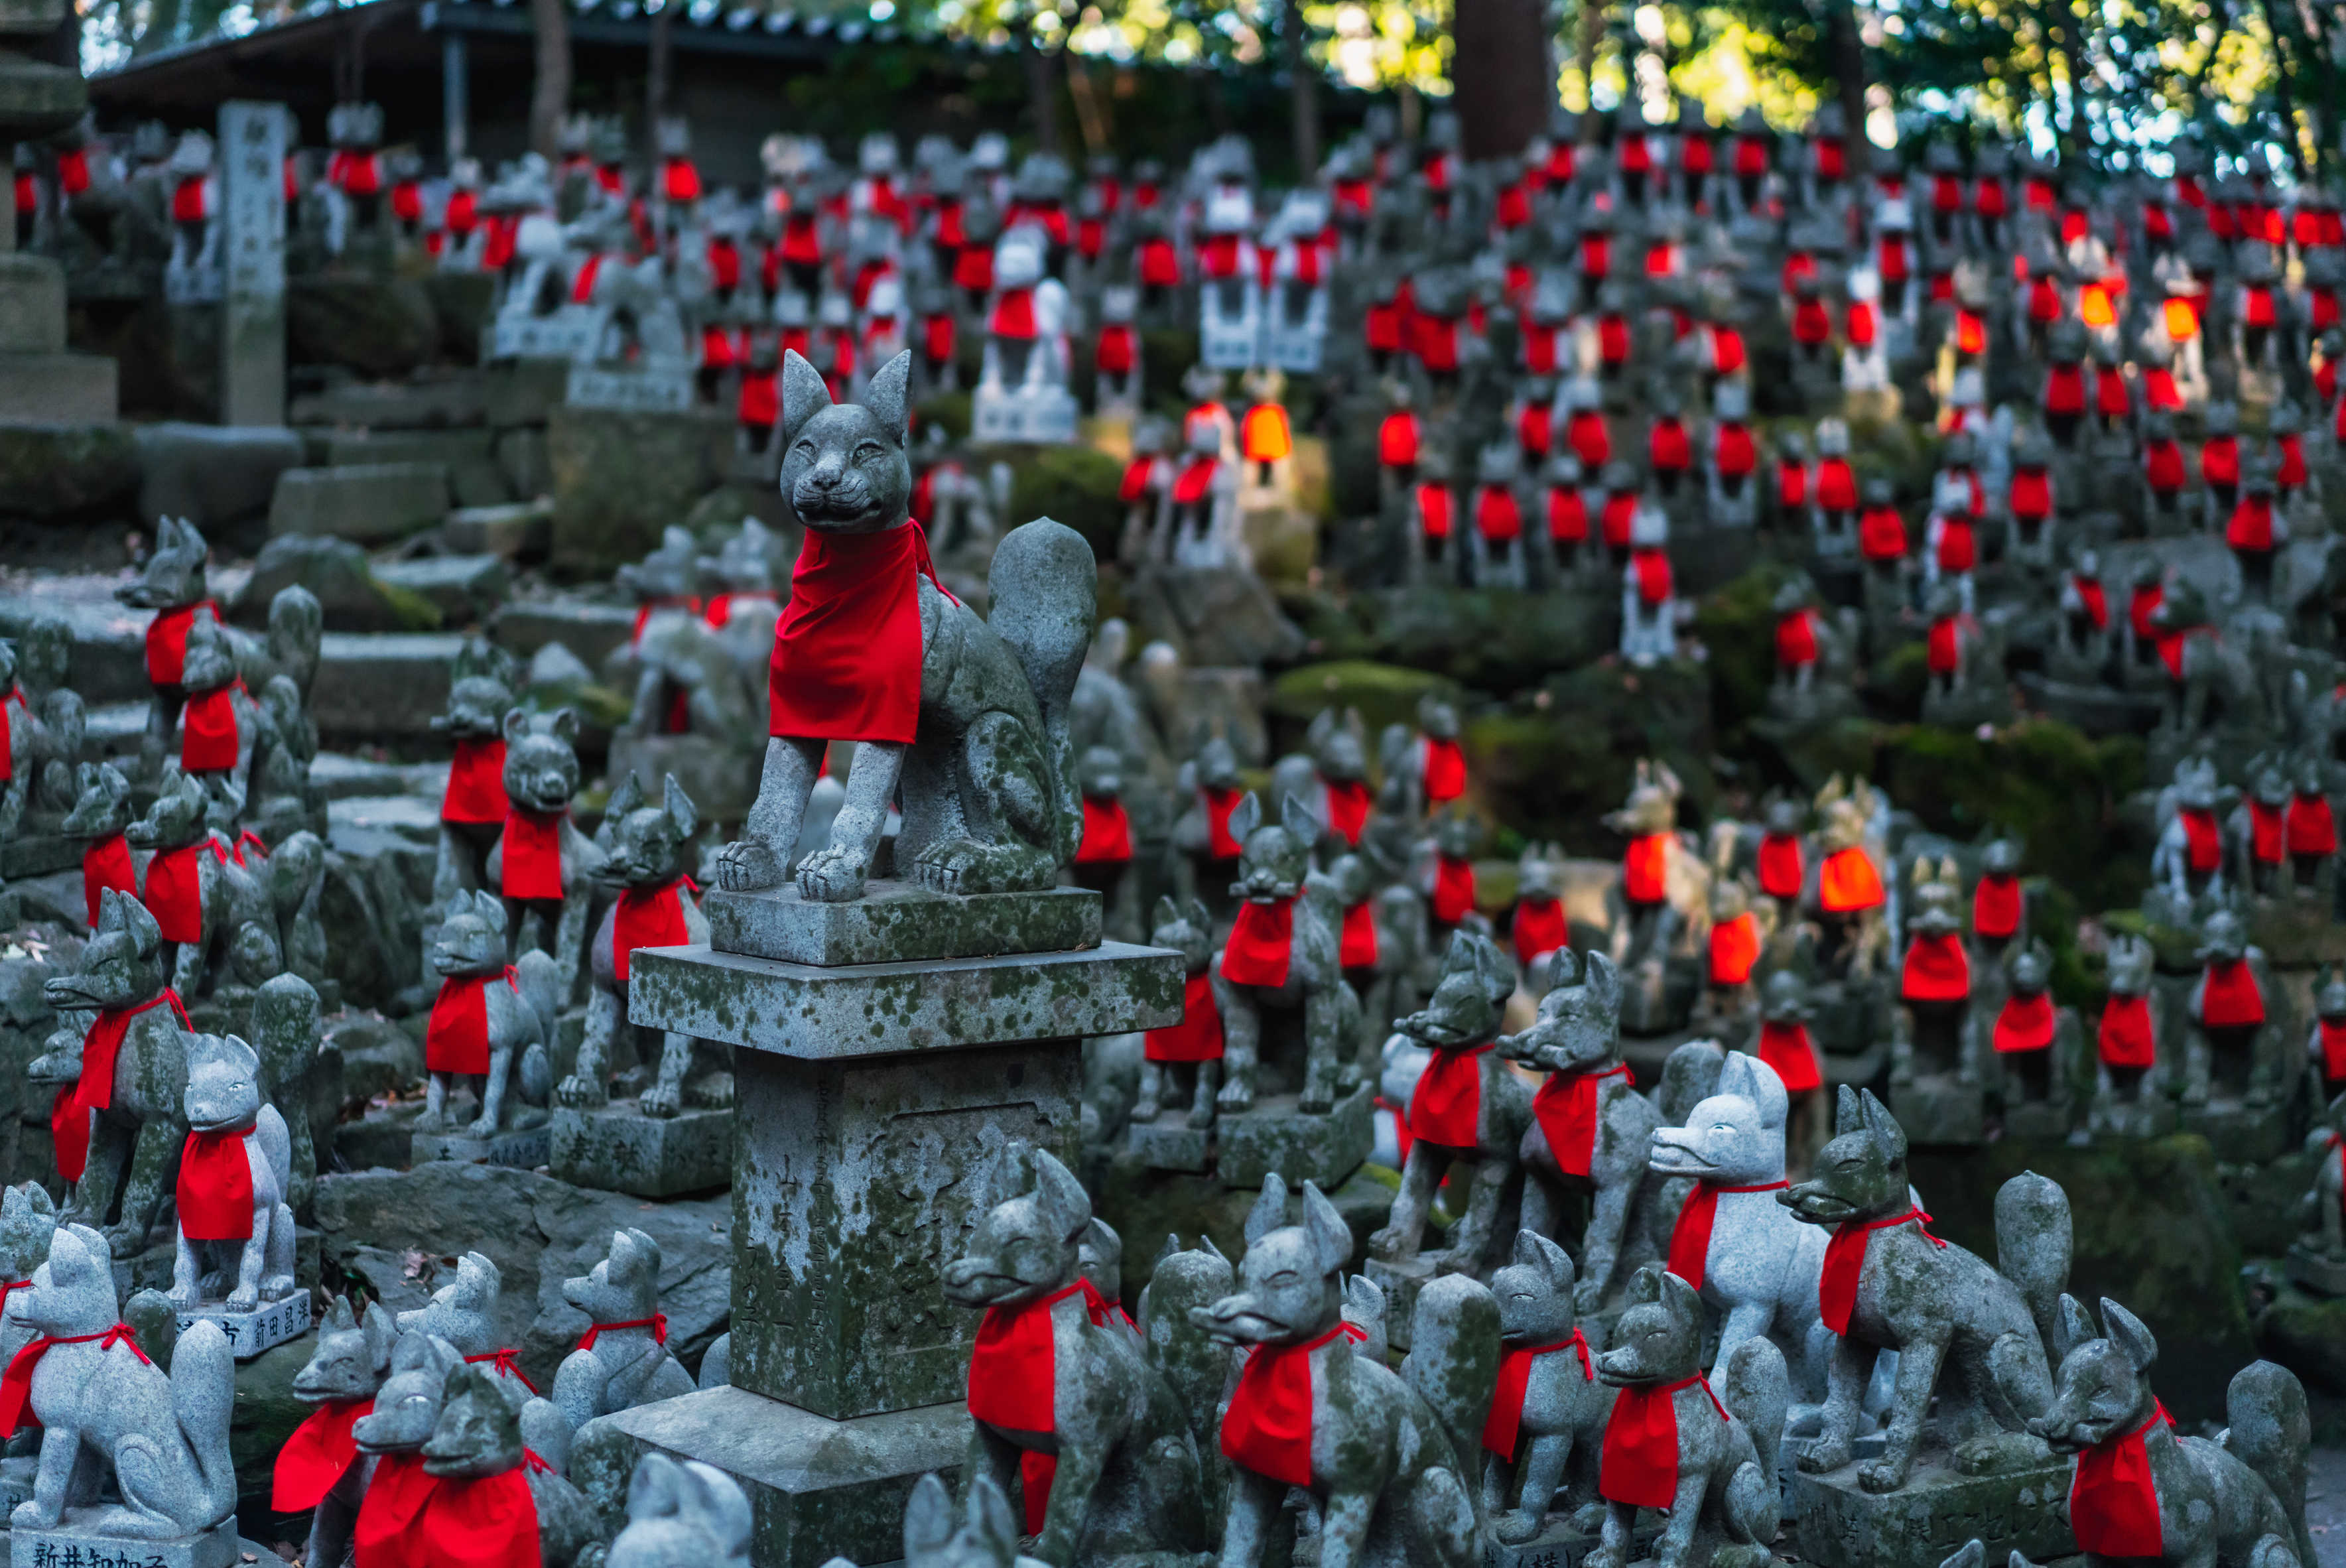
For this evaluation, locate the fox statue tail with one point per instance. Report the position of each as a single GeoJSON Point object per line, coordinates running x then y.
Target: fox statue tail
{"type": "Point", "coordinates": [203, 1396]}
{"type": "Point", "coordinates": [1759, 1391]}
{"type": "Point", "coordinates": [1045, 587]}
{"type": "Point", "coordinates": [2032, 1247]}
{"type": "Point", "coordinates": [1195, 1364]}
{"type": "Point", "coordinates": [2271, 1431]}
{"type": "Point", "coordinates": [1453, 1366]}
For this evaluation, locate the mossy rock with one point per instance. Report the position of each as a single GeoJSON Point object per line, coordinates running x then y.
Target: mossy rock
{"type": "Point", "coordinates": [2266, 1200]}
{"type": "Point", "coordinates": [1384, 693]}
{"type": "Point", "coordinates": [717, 514]}
{"type": "Point", "coordinates": [374, 326]}
{"type": "Point", "coordinates": [52, 472]}
{"type": "Point", "coordinates": [1492, 640]}
{"type": "Point", "coordinates": [1076, 486]}
{"type": "Point", "coordinates": [2054, 786]}
{"type": "Point", "coordinates": [2152, 1232]}
{"type": "Point", "coordinates": [1551, 769]}
{"type": "Point", "coordinates": [2306, 1334]}
{"type": "Point", "coordinates": [1736, 624]}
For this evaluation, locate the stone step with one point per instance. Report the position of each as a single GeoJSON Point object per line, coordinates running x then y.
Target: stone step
{"type": "Point", "coordinates": [384, 686]}
{"type": "Point", "coordinates": [465, 589]}
{"type": "Point", "coordinates": [900, 922]}
{"type": "Point", "coordinates": [370, 503]}
{"type": "Point", "coordinates": [475, 478]}
{"type": "Point", "coordinates": [590, 631]}
{"type": "Point", "coordinates": [520, 528]}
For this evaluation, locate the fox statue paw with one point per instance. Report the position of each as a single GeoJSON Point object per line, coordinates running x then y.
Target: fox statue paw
{"type": "Point", "coordinates": [746, 865]}
{"type": "Point", "coordinates": [831, 876]}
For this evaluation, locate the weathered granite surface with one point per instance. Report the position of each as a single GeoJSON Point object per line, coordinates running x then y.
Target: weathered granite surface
{"type": "Point", "coordinates": [898, 922]}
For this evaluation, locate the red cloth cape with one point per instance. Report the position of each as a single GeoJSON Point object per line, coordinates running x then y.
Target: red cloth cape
{"type": "Point", "coordinates": [1781, 871]}
{"type": "Point", "coordinates": [17, 1383]}
{"type": "Point", "coordinates": [1639, 1465]}
{"type": "Point", "coordinates": [1845, 1261]}
{"type": "Point", "coordinates": [1734, 949]}
{"type": "Point", "coordinates": [1445, 770]}
{"type": "Point", "coordinates": [1690, 1238]}
{"type": "Point", "coordinates": [1267, 1428]}
{"type": "Point", "coordinates": [2313, 829]}
{"type": "Point", "coordinates": [647, 917]}
{"type": "Point", "coordinates": [1454, 889]}
{"type": "Point", "coordinates": [1645, 868]}
{"type": "Point", "coordinates": [1796, 640]}
{"type": "Point", "coordinates": [2125, 1038]}
{"type": "Point", "coordinates": [1936, 969]}
{"type": "Point", "coordinates": [1503, 1427]}
{"type": "Point", "coordinates": [209, 741]}
{"type": "Point", "coordinates": [1996, 906]}
{"type": "Point", "coordinates": [1108, 834]}
{"type": "Point", "coordinates": [477, 782]}
{"type": "Point", "coordinates": [166, 641]}
{"type": "Point", "coordinates": [93, 1090]}
{"type": "Point", "coordinates": [1356, 943]}
{"type": "Point", "coordinates": [2113, 1501]}
{"type": "Point", "coordinates": [2203, 839]}
{"type": "Point", "coordinates": [489, 1522]}
{"type": "Point", "coordinates": [532, 865]}
{"type": "Point", "coordinates": [317, 1456]}
{"type": "Point", "coordinates": [2231, 998]}
{"type": "Point", "coordinates": [1787, 1048]}
{"type": "Point", "coordinates": [1260, 943]}
{"type": "Point", "coordinates": [2025, 1024]}
{"type": "Point", "coordinates": [847, 650]}
{"type": "Point", "coordinates": [1199, 1037]}
{"type": "Point", "coordinates": [106, 864]}
{"type": "Point", "coordinates": [1446, 1107]}
{"type": "Point", "coordinates": [457, 1038]}
{"type": "Point", "coordinates": [1538, 927]}
{"type": "Point", "coordinates": [1566, 1110]}
{"type": "Point", "coordinates": [1849, 881]}
{"type": "Point", "coordinates": [1348, 808]}
{"type": "Point", "coordinates": [215, 1188]}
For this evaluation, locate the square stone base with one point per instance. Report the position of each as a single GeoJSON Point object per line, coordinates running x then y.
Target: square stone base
{"type": "Point", "coordinates": [59, 388]}
{"type": "Point", "coordinates": [1940, 1109]}
{"type": "Point", "coordinates": [897, 923]}
{"type": "Point", "coordinates": [620, 1149]}
{"type": "Point", "coordinates": [2238, 1135]}
{"type": "Point", "coordinates": [1276, 1137]}
{"type": "Point", "coordinates": [528, 1147]}
{"type": "Point", "coordinates": [1045, 416]}
{"type": "Point", "coordinates": [1559, 1546]}
{"type": "Point", "coordinates": [265, 1327]}
{"type": "Point", "coordinates": [37, 855]}
{"type": "Point", "coordinates": [215, 1548]}
{"type": "Point", "coordinates": [1838, 1525]}
{"type": "Point", "coordinates": [151, 1270]}
{"type": "Point", "coordinates": [2312, 1271]}
{"type": "Point", "coordinates": [1170, 1144]}
{"type": "Point", "coordinates": [818, 1489]}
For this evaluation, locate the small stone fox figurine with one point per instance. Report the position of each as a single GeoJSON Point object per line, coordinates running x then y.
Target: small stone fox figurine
{"type": "Point", "coordinates": [1193, 1048]}
{"type": "Point", "coordinates": [117, 1118]}
{"type": "Point", "coordinates": [464, 1313]}
{"type": "Point", "coordinates": [473, 808]}
{"type": "Point", "coordinates": [1284, 953]}
{"type": "Point", "coordinates": [986, 1535]}
{"type": "Point", "coordinates": [321, 1467]}
{"type": "Point", "coordinates": [543, 866]}
{"type": "Point", "coordinates": [970, 716]}
{"type": "Point", "coordinates": [1717, 1479]}
{"type": "Point", "coordinates": [1942, 1310]}
{"type": "Point", "coordinates": [490, 1485]}
{"type": "Point", "coordinates": [1467, 1105]}
{"type": "Point", "coordinates": [692, 1515]}
{"type": "Point", "coordinates": [234, 1174]}
{"type": "Point", "coordinates": [1384, 1455]}
{"type": "Point", "coordinates": [1124, 1476]}
{"type": "Point", "coordinates": [103, 1405]}
{"type": "Point", "coordinates": [644, 850]}
{"type": "Point", "coordinates": [1590, 1128]}
{"type": "Point", "coordinates": [195, 884]}
{"type": "Point", "coordinates": [1547, 1418]}
{"type": "Point", "coordinates": [2143, 1491]}
{"type": "Point", "coordinates": [622, 1360]}
{"type": "Point", "coordinates": [490, 1021]}
{"type": "Point", "coordinates": [170, 582]}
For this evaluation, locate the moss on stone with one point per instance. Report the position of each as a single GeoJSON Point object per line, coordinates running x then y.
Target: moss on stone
{"type": "Point", "coordinates": [2306, 1334]}
{"type": "Point", "coordinates": [1384, 693]}
{"type": "Point", "coordinates": [55, 473]}
{"type": "Point", "coordinates": [2152, 1232]}
{"type": "Point", "coordinates": [1076, 486]}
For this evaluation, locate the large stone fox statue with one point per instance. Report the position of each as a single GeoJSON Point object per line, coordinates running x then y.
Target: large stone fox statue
{"type": "Point", "coordinates": [969, 715]}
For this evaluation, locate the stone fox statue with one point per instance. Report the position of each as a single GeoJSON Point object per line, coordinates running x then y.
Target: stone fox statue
{"type": "Point", "coordinates": [969, 715]}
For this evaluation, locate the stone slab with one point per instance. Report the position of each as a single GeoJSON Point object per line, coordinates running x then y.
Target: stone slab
{"type": "Point", "coordinates": [522, 527]}
{"type": "Point", "coordinates": [37, 855]}
{"type": "Point", "coordinates": [897, 921]}
{"type": "Point", "coordinates": [469, 455]}
{"type": "Point", "coordinates": [370, 503]}
{"type": "Point", "coordinates": [265, 1327]}
{"type": "Point", "coordinates": [1276, 1137]}
{"type": "Point", "coordinates": [32, 304]}
{"type": "Point", "coordinates": [526, 1147]}
{"type": "Point", "coordinates": [1838, 1525]}
{"type": "Point", "coordinates": [215, 1548]}
{"type": "Point", "coordinates": [817, 1488]}
{"type": "Point", "coordinates": [456, 398]}
{"type": "Point", "coordinates": [620, 1149]}
{"type": "Point", "coordinates": [813, 1014]}
{"type": "Point", "coordinates": [590, 631]}
{"type": "Point", "coordinates": [463, 589]}
{"type": "Point", "coordinates": [2237, 1134]}
{"type": "Point", "coordinates": [1939, 1110]}
{"type": "Point", "coordinates": [1170, 1144]}
{"type": "Point", "coordinates": [2312, 1271]}
{"type": "Point", "coordinates": [58, 389]}
{"type": "Point", "coordinates": [374, 686]}
{"type": "Point", "coordinates": [1559, 1546]}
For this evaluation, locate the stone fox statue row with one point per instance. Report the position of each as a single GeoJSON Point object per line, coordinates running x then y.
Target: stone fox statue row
{"type": "Point", "coordinates": [968, 716]}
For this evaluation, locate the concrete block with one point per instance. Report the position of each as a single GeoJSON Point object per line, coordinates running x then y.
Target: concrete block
{"type": "Point", "coordinates": [620, 1149]}
{"type": "Point", "coordinates": [209, 474]}
{"type": "Point", "coordinates": [465, 588]}
{"type": "Point", "coordinates": [372, 688]}
{"type": "Point", "coordinates": [474, 477]}
{"type": "Point", "coordinates": [1840, 1524]}
{"type": "Point", "coordinates": [519, 528]}
{"type": "Point", "coordinates": [589, 631]}
{"type": "Point", "coordinates": [59, 388]}
{"type": "Point", "coordinates": [32, 304]}
{"type": "Point", "coordinates": [396, 406]}
{"type": "Point", "coordinates": [370, 503]}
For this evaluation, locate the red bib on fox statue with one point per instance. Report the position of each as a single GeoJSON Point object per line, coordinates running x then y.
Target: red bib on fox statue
{"type": "Point", "coordinates": [93, 1090]}
{"type": "Point", "coordinates": [1503, 1428]}
{"type": "Point", "coordinates": [2113, 1501]}
{"type": "Point", "coordinates": [1566, 1110]}
{"type": "Point", "coordinates": [1013, 1381]}
{"type": "Point", "coordinates": [1446, 1107]}
{"type": "Point", "coordinates": [215, 1188]}
{"type": "Point", "coordinates": [1639, 1463]}
{"type": "Point", "coordinates": [1267, 1428]}
{"type": "Point", "coordinates": [847, 650]}
{"type": "Point", "coordinates": [317, 1456]}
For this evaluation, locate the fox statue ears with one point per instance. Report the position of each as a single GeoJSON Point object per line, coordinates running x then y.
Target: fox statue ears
{"type": "Point", "coordinates": [1246, 817]}
{"type": "Point", "coordinates": [930, 1527]}
{"type": "Point", "coordinates": [477, 1282]}
{"type": "Point", "coordinates": [702, 1496]}
{"type": "Point", "coordinates": [1298, 819]}
{"type": "Point", "coordinates": [804, 395]}
{"type": "Point", "coordinates": [1749, 1078]}
{"type": "Point", "coordinates": [1859, 1112]}
{"type": "Point", "coordinates": [118, 910]}
{"type": "Point", "coordinates": [1269, 1211]}
{"type": "Point", "coordinates": [1479, 956]}
{"type": "Point", "coordinates": [564, 728]}
{"type": "Point", "coordinates": [1544, 1258]}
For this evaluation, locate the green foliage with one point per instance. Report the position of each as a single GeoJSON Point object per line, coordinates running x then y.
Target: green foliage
{"type": "Point", "coordinates": [1383, 693]}
{"type": "Point", "coordinates": [1076, 486]}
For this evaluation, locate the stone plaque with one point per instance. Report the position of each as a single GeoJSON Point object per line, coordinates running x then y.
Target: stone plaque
{"type": "Point", "coordinates": [252, 263]}
{"type": "Point", "coordinates": [635, 392]}
{"type": "Point", "coordinates": [265, 1327]}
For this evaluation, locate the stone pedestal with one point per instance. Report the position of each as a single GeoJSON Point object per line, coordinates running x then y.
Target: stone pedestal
{"type": "Point", "coordinates": [266, 1327]}
{"type": "Point", "coordinates": [873, 1099]}
{"type": "Point", "coordinates": [215, 1548]}
{"type": "Point", "coordinates": [620, 1149]}
{"type": "Point", "coordinates": [1940, 1108]}
{"type": "Point", "coordinates": [1840, 1524]}
{"type": "Point", "coordinates": [1170, 1144]}
{"type": "Point", "coordinates": [2315, 1272]}
{"type": "Point", "coordinates": [1276, 1137]}
{"type": "Point", "coordinates": [38, 856]}
{"type": "Point", "coordinates": [528, 1147]}
{"type": "Point", "coordinates": [40, 383]}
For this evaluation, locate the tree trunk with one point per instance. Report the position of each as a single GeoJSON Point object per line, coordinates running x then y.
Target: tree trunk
{"type": "Point", "coordinates": [658, 54]}
{"type": "Point", "coordinates": [1848, 48]}
{"type": "Point", "coordinates": [1304, 83]}
{"type": "Point", "coordinates": [549, 93]}
{"type": "Point", "coordinates": [1499, 62]}
{"type": "Point", "coordinates": [1042, 96]}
